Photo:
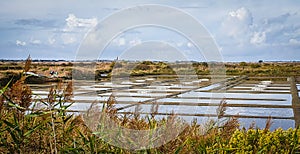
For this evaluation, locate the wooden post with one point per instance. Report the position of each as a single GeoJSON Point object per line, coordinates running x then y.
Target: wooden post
{"type": "Point", "coordinates": [295, 101]}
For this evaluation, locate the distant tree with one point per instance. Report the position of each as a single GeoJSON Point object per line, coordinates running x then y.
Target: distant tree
{"type": "Point", "coordinates": [260, 61]}
{"type": "Point", "coordinates": [196, 64]}
{"type": "Point", "coordinates": [142, 67]}
{"type": "Point", "coordinates": [205, 64]}
{"type": "Point", "coordinates": [255, 65]}
{"type": "Point", "coordinates": [148, 63]}
{"type": "Point", "coordinates": [243, 64]}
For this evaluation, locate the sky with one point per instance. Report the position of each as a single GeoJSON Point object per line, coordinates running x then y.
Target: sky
{"type": "Point", "coordinates": [242, 30]}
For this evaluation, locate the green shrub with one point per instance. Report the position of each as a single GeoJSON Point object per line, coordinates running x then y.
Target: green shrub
{"type": "Point", "coordinates": [45, 69]}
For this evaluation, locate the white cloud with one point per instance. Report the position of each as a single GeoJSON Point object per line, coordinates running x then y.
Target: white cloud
{"type": "Point", "coordinates": [220, 49]}
{"type": "Point", "coordinates": [75, 28]}
{"type": "Point", "coordinates": [135, 42]}
{"type": "Point", "coordinates": [189, 44]}
{"type": "Point", "coordinates": [72, 22]}
{"type": "Point", "coordinates": [125, 42]}
{"type": "Point", "coordinates": [20, 43]}
{"type": "Point", "coordinates": [242, 14]}
{"type": "Point", "coordinates": [69, 39]}
{"type": "Point", "coordinates": [36, 42]}
{"type": "Point", "coordinates": [258, 38]}
{"type": "Point", "coordinates": [51, 41]}
{"type": "Point", "coordinates": [237, 23]}
{"type": "Point", "coordinates": [280, 30]}
{"type": "Point", "coordinates": [121, 42]}
{"type": "Point", "coordinates": [294, 42]}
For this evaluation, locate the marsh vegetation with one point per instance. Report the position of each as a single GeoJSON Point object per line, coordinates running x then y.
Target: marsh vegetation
{"type": "Point", "coordinates": [27, 128]}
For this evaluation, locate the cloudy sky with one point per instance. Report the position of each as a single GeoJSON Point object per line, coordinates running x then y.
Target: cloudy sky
{"type": "Point", "coordinates": [243, 30]}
